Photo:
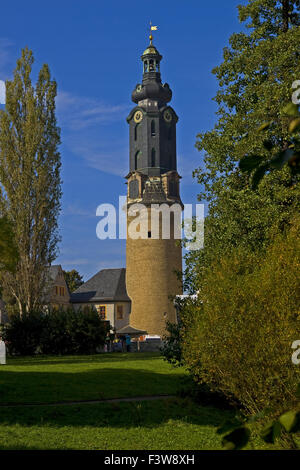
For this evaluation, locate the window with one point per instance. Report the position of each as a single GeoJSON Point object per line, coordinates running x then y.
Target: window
{"type": "Point", "coordinates": [136, 132]}
{"type": "Point", "coordinates": [61, 291]}
{"type": "Point", "coordinates": [151, 67]}
{"type": "Point", "coordinates": [102, 311]}
{"type": "Point", "coordinates": [173, 188]}
{"type": "Point", "coordinates": [153, 128]}
{"type": "Point", "coordinates": [153, 158]}
{"type": "Point", "coordinates": [137, 159]}
{"type": "Point", "coordinates": [119, 312]}
{"type": "Point", "coordinates": [56, 290]}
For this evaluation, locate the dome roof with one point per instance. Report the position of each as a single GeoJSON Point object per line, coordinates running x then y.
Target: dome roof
{"type": "Point", "coordinates": [151, 50]}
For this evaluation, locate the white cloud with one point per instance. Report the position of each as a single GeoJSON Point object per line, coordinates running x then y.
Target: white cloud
{"type": "Point", "coordinates": [73, 209]}
{"type": "Point", "coordinates": [84, 131]}
{"type": "Point", "coordinates": [5, 58]}
{"type": "Point", "coordinates": [109, 157]}
{"type": "Point", "coordinates": [79, 112]}
{"type": "Point", "coordinates": [110, 264]}
{"type": "Point", "coordinates": [74, 262]}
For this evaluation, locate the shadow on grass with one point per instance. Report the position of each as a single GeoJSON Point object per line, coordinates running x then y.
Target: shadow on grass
{"type": "Point", "coordinates": [115, 415]}
{"type": "Point", "coordinates": [96, 384]}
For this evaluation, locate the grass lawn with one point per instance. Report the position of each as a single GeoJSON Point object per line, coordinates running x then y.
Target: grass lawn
{"type": "Point", "coordinates": [66, 378]}
{"type": "Point", "coordinates": [164, 424]}
{"type": "Point", "coordinates": [168, 424]}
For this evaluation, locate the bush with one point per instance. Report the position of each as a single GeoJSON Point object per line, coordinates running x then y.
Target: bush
{"type": "Point", "coordinates": [56, 332]}
{"type": "Point", "coordinates": [22, 335]}
{"type": "Point", "coordinates": [173, 340]}
{"type": "Point", "coordinates": [240, 344]}
{"type": "Point", "coordinates": [172, 348]}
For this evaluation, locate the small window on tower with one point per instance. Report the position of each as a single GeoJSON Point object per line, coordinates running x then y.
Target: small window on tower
{"type": "Point", "coordinates": [136, 132]}
{"type": "Point", "coordinates": [149, 234]}
{"type": "Point", "coordinates": [153, 128]}
{"type": "Point", "coordinates": [138, 158]}
{"type": "Point", "coordinates": [153, 158]}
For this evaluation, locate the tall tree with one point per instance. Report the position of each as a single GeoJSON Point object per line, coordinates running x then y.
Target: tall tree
{"type": "Point", "coordinates": [30, 179]}
{"type": "Point", "coordinates": [255, 84]}
{"type": "Point", "coordinates": [8, 249]}
{"type": "Point", "coordinates": [73, 279]}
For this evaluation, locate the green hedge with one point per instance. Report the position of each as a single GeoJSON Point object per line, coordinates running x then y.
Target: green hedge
{"type": "Point", "coordinates": [240, 342]}
{"type": "Point", "coordinates": [56, 332]}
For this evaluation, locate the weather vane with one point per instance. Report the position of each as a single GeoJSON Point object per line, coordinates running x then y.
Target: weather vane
{"type": "Point", "coordinates": [152, 28]}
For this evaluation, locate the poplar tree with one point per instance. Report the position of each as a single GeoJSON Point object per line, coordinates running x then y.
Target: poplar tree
{"type": "Point", "coordinates": [30, 181]}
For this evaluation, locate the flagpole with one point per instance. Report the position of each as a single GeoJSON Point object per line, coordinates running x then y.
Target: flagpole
{"type": "Point", "coordinates": [150, 37]}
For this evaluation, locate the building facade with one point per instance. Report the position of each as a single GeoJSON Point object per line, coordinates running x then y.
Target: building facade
{"type": "Point", "coordinates": [154, 259]}
{"type": "Point", "coordinates": [105, 292]}
{"type": "Point", "coordinates": [59, 296]}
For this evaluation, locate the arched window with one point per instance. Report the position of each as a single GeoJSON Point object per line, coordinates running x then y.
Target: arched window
{"type": "Point", "coordinates": [137, 159]}
{"type": "Point", "coordinates": [153, 128]}
{"type": "Point", "coordinates": [153, 158]}
{"type": "Point", "coordinates": [136, 132]}
{"type": "Point", "coordinates": [151, 66]}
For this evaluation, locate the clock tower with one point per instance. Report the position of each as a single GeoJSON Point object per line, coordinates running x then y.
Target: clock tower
{"type": "Point", "coordinates": [153, 259]}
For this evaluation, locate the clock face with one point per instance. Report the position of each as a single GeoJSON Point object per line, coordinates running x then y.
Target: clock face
{"type": "Point", "coordinates": [139, 88]}
{"type": "Point", "coordinates": [167, 116]}
{"type": "Point", "coordinates": [138, 116]}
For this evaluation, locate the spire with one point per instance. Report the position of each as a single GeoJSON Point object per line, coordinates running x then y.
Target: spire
{"type": "Point", "coordinates": [152, 28]}
{"type": "Point", "coordinates": [151, 86]}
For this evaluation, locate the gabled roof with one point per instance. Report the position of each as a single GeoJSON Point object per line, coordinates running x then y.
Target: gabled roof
{"type": "Point", "coordinates": [54, 270]}
{"type": "Point", "coordinates": [107, 285]}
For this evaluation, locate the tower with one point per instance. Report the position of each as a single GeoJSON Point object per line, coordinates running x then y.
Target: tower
{"type": "Point", "coordinates": [153, 260]}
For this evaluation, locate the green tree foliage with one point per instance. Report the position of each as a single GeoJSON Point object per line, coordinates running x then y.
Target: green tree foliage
{"type": "Point", "coordinates": [8, 249]}
{"type": "Point", "coordinates": [57, 332]}
{"type": "Point", "coordinates": [172, 346]}
{"type": "Point", "coordinates": [255, 83]}
{"type": "Point", "coordinates": [241, 343]}
{"type": "Point", "coordinates": [30, 179]}
{"type": "Point", "coordinates": [258, 166]}
{"type": "Point", "coordinates": [73, 279]}
{"type": "Point", "coordinates": [247, 276]}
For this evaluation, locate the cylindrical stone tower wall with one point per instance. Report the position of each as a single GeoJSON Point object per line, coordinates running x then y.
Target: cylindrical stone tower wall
{"type": "Point", "coordinates": [151, 280]}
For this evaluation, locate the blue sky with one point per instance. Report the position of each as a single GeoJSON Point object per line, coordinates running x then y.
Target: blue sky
{"type": "Point", "coordinates": [93, 49]}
